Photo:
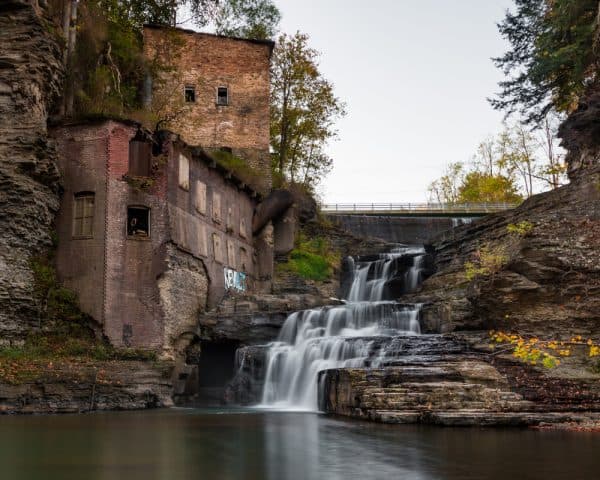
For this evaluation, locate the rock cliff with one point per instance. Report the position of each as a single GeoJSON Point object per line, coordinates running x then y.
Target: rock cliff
{"type": "Point", "coordinates": [30, 79]}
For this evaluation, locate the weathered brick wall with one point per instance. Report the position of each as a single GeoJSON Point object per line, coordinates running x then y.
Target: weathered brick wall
{"type": "Point", "coordinates": [207, 62]}
{"type": "Point", "coordinates": [226, 218]}
{"type": "Point", "coordinates": [83, 156]}
{"type": "Point", "coordinates": [30, 78]}
{"type": "Point", "coordinates": [133, 315]}
{"type": "Point", "coordinates": [148, 290]}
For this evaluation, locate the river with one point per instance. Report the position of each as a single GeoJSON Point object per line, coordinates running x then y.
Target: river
{"type": "Point", "coordinates": [249, 444]}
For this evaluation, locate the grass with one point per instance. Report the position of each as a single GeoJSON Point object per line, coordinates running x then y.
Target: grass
{"type": "Point", "coordinates": [312, 259]}
{"type": "Point", "coordinates": [40, 352]}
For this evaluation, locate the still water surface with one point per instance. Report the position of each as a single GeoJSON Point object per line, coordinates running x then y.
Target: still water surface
{"type": "Point", "coordinates": [224, 444]}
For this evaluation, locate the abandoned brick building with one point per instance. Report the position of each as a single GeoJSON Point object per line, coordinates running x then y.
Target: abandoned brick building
{"type": "Point", "coordinates": [214, 90]}
{"type": "Point", "coordinates": [152, 230]}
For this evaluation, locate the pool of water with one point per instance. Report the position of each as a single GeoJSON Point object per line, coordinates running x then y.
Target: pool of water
{"type": "Point", "coordinates": [246, 444]}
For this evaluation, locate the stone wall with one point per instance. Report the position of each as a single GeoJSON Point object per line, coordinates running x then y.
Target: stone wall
{"type": "Point", "coordinates": [207, 62]}
{"type": "Point", "coordinates": [407, 230]}
{"type": "Point", "coordinates": [30, 78]}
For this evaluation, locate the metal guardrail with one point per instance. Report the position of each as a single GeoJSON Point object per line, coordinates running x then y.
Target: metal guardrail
{"type": "Point", "coordinates": [415, 208]}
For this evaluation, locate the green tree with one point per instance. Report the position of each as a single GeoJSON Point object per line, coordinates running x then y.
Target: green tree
{"type": "Point", "coordinates": [304, 109]}
{"type": "Point", "coordinates": [551, 57]}
{"type": "Point", "coordinates": [478, 187]}
{"type": "Point", "coordinates": [248, 19]}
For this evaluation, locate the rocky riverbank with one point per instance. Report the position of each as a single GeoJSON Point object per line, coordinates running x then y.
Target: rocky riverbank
{"type": "Point", "coordinates": [78, 386]}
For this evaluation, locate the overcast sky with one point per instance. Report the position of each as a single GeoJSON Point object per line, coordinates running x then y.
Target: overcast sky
{"type": "Point", "coordinates": [415, 75]}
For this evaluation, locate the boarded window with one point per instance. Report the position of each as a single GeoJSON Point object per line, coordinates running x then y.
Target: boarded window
{"type": "Point", "coordinates": [140, 158]}
{"type": "Point", "coordinates": [231, 254]}
{"type": "Point", "coordinates": [244, 259]}
{"type": "Point", "coordinates": [190, 94]}
{"type": "Point", "coordinates": [222, 96]}
{"type": "Point", "coordinates": [243, 232]}
{"type": "Point", "coordinates": [83, 214]}
{"type": "Point", "coordinates": [200, 197]}
{"type": "Point", "coordinates": [202, 250]}
{"type": "Point", "coordinates": [229, 221]}
{"type": "Point", "coordinates": [216, 208]}
{"type": "Point", "coordinates": [138, 222]}
{"type": "Point", "coordinates": [184, 172]}
{"type": "Point", "coordinates": [217, 248]}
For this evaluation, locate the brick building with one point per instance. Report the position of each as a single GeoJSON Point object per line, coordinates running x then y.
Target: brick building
{"type": "Point", "coordinates": [152, 232]}
{"type": "Point", "coordinates": [215, 91]}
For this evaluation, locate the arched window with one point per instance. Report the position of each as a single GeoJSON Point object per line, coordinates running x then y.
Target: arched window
{"type": "Point", "coordinates": [83, 215]}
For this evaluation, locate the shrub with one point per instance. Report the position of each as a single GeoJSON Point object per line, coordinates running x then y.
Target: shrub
{"type": "Point", "coordinates": [312, 259]}
{"type": "Point", "coordinates": [488, 260]}
{"type": "Point", "coordinates": [521, 229]}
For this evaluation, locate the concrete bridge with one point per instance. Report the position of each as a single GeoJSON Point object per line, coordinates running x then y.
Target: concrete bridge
{"type": "Point", "coordinates": [408, 223]}
{"type": "Point", "coordinates": [415, 209]}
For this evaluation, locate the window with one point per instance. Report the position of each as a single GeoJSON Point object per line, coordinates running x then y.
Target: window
{"type": "Point", "coordinates": [138, 222]}
{"type": "Point", "coordinates": [244, 263]}
{"type": "Point", "coordinates": [216, 208]}
{"type": "Point", "coordinates": [222, 96]}
{"type": "Point", "coordinates": [83, 215]}
{"type": "Point", "coordinates": [140, 158]}
{"type": "Point", "coordinates": [190, 94]}
{"type": "Point", "coordinates": [200, 197]}
{"type": "Point", "coordinates": [184, 172]}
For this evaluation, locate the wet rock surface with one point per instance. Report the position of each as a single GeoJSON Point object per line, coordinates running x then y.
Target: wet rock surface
{"type": "Point", "coordinates": [445, 380]}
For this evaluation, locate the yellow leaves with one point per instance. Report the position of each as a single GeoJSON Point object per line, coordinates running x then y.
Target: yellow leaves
{"type": "Point", "coordinates": [533, 350]}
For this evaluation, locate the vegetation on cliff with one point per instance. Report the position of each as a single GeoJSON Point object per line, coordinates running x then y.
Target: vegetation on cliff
{"type": "Point", "coordinates": [552, 58]}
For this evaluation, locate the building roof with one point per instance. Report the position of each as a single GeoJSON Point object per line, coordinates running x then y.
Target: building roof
{"type": "Point", "coordinates": [269, 43]}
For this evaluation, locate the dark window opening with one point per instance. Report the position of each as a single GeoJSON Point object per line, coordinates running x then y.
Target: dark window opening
{"type": "Point", "coordinates": [138, 222]}
{"type": "Point", "coordinates": [140, 158]}
{"type": "Point", "coordinates": [222, 96]}
{"type": "Point", "coordinates": [83, 214]}
{"type": "Point", "coordinates": [190, 94]}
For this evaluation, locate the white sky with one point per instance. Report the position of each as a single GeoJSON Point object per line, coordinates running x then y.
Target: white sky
{"type": "Point", "coordinates": [415, 75]}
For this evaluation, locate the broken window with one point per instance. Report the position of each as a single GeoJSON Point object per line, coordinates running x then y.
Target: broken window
{"type": "Point", "coordinates": [222, 96]}
{"type": "Point", "coordinates": [190, 94]}
{"type": "Point", "coordinates": [243, 233]}
{"type": "Point", "coordinates": [83, 214]}
{"type": "Point", "coordinates": [184, 172]}
{"type": "Point", "coordinates": [140, 158]}
{"type": "Point", "coordinates": [138, 222]}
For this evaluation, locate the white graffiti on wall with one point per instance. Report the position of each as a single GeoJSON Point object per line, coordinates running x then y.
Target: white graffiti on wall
{"type": "Point", "coordinates": [235, 280]}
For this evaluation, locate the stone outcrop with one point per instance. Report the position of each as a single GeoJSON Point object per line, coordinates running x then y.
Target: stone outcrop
{"type": "Point", "coordinates": [68, 388]}
{"type": "Point", "coordinates": [534, 269]}
{"type": "Point", "coordinates": [445, 381]}
{"type": "Point", "coordinates": [30, 79]}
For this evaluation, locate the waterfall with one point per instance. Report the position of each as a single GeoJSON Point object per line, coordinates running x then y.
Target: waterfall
{"type": "Point", "coordinates": [349, 335]}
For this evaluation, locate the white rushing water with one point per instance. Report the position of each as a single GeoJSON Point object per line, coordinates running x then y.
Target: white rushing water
{"type": "Point", "coordinates": [311, 341]}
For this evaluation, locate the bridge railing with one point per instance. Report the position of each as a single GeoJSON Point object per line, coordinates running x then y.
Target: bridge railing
{"type": "Point", "coordinates": [441, 208]}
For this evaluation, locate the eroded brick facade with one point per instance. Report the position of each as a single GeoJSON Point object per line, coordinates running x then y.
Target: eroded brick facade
{"type": "Point", "coordinates": [147, 288]}
{"type": "Point", "coordinates": [205, 63]}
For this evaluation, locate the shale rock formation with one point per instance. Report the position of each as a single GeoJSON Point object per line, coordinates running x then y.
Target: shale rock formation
{"type": "Point", "coordinates": [30, 78]}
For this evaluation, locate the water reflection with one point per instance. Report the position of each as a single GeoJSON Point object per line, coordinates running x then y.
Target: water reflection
{"type": "Point", "coordinates": [194, 444]}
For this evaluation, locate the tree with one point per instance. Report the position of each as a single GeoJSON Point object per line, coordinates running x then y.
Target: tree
{"type": "Point", "coordinates": [303, 112]}
{"type": "Point", "coordinates": [551, 59]}
{"type": "Point", "coordinates": [478, 187]}
{"type": "Point", "coordinates": [248, 19]}
{"type": "Point", "coordinates": [446, 188]}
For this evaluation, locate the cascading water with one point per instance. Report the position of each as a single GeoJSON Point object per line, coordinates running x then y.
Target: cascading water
{"type": "Point", "coordinates": [349, 335]}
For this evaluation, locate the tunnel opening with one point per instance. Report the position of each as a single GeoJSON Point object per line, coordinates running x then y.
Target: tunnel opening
{"type": "Point", "coordinates": [214, 364]}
